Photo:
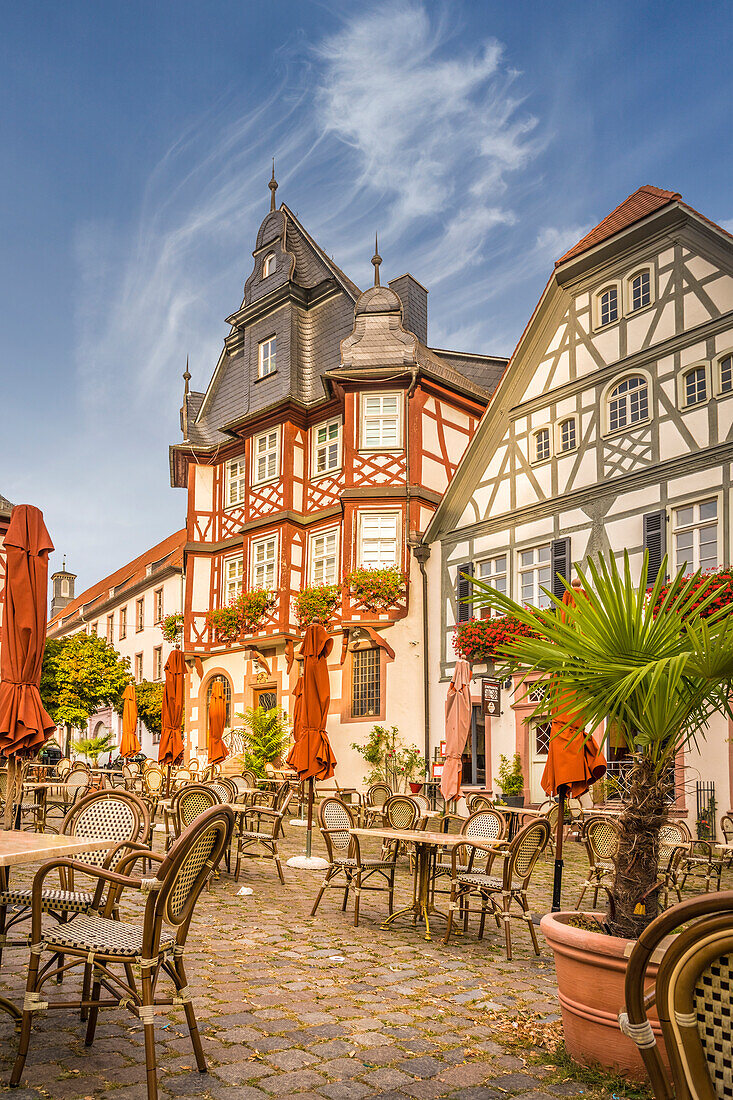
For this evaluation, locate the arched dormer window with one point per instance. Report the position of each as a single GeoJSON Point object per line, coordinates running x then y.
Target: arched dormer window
{"type": "Point", "coordinates": [628, 402]}
{"type": "Point", "coordinates": [640, 290]}
{"type": "Point", "coordinates": [608, 306]}
{"type": "Point", "coordinates": [695, 386]}
{"type": "Point", "coordinates": [268, 265]}
{"type": "Point", "coordinates": [541, 445]}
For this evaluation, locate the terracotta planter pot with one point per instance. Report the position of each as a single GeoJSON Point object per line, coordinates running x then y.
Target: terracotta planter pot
{"type": "Point", "coordinates": [416, 788]}
{"type": "Point", "coordinates": [591, 969]}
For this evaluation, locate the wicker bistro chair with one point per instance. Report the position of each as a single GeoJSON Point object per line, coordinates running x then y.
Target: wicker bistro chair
{"type": "Point", "coordinates": [186, 805]}
{"type": "Point", "coordinates": [401, 811]}
{"type": "Point", "coordinates": [700, 860]}
{"type": "Point", "coordinates": [155, 945]}
{"type": "Point", "coordinates": [260, 828]}
{"type": "Point", "coordinates": [63, 767]}
{"type": "Point", "coordinates": [373, 805]}
{"type": "Point", "coordinates": [481, 825]}
{"type": "Point", "coordinates": [601, 837]}
{"type": "Point", "coordinates": [336, 819]}
{"type": "Point", "coordinates": [519, 857]}
{"type": "Point", "coordinates": [241, 784]}
{"type": "Point", "coordinates": [274, 797]}
{"type": "Point", "coordinates": [692, 995]}
{"type": "Point", "coordinates": [479, 802]}
{"type": "Point", "coordinates": [673, 840]}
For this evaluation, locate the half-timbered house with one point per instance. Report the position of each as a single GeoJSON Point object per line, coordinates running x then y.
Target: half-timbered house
{"type": "Point", "coordinates": [324, 441]}
{"type": "Point", "coordinates": [611, 429]}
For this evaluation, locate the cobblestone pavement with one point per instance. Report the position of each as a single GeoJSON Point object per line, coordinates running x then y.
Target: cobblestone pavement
{"type": "Point", "coordinates": [290, 1004]}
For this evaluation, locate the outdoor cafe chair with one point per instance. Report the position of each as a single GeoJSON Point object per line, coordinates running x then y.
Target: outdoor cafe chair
{"type": "Point", "coordinates": [193, 765]}
{"type": "Point", "coordinates": [185, 807]}
{"type": "Point", "coordinates": [401, 811]}
{"type": "Point", "coordinates": [498, 891]}
{"type": "Point", "coordinates": [726, 827]}
{"type": "Point", "coordinates": [673, 840]}
{"type": "Point", "coordinates": [692, 997]}
{"type": "Point", "coordinates": [274, 796]}
{"type": "Point", "coordinates": [28, 806]}
{"type": "Point", "coordinates": [481, 825]}
{"type": "Point", "coordinates": [600, 837]}
{"type": "Point", "coordinates": [479, 802]}
{"type": "Point", "coordinates": [241, 784]}
{"type": "Point", "coordinates": [373, 805]}
{"type": "Point", "coordinates": [226, 790]}
{"type": "Point", "coordinates": [336, 820]}
{"type": "Point", "coordinates": [260, 829]}
{"type": "Point", "coordinates": [155, 943]}
{"type": "Point", "coordinates": [63, 767]}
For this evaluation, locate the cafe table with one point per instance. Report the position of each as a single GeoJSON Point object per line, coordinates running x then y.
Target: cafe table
{"type": "Point", "coordinates": [426, 844]}
{"type": "Point", "coordinates": [18, 848]}
{"type": "Point", "coordinates": [39, 790]}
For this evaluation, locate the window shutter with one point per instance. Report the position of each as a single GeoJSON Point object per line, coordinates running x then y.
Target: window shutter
{"type": "Point", "coordinates": [560, 564]}
{"type": "Point", "coordinates": [655, 541]}
{"type": "Point", "coordinates": [464, 610]}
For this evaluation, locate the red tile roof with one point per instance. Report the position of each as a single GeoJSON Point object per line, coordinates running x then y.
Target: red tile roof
{"type": "Point", "coordinates": [169, 552]}
{"type": "Point", "coordinates": [637, 206]}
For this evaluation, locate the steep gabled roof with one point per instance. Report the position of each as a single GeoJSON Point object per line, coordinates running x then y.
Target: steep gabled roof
{"type": "Point", "coordinates": [166, 554]}
{"type": "Point", "coordinates": [643, 202]}
{"type": "Point", "coordinates": [297, 234]}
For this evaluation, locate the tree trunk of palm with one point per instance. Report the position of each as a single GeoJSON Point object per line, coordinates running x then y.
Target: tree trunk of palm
{"type": "Point", "coordinates": [635, 896]}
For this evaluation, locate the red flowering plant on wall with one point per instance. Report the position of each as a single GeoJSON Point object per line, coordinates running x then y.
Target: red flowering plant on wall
{"type": "Point", "coordinates": [715, 583]}
{"type": "Point", "coordinates": [486, 639]}
{"type": "Point", "coordinates": [377, 589]}
{"type": "Point", "coordinates": [242, 615]}
{"type": "Point", "coordinates": [316, 603]}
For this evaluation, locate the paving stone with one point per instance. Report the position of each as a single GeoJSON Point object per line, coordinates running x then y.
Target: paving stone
{"type": "Point", "coordinates": [386, 1078]}
{"type": "Point", "coordinates": [291, 1059]}
{"type": "Point", "coordinates": [283, 1083]}
{"type": "Point", "coordinates": [347, 1090]}
{"type": "Point", "coordinates": [422, 1067]}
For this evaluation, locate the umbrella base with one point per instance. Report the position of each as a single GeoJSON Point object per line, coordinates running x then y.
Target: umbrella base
{"type": "Point", "coordinates": [299, 823]}
{"type": "Point", "coordinates": [308, 863]}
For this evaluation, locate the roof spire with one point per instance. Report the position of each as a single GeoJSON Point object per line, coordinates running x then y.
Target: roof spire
{"type": "Point", "coordinates": [273, 186]}
{"type": "Point", "coordinates": [184, 409]}
{"type": "Point", "coordinates": [186, 378]}
{"type": "Point", "coordinates": [376, 260]}
{"type": "Point", "coordinates": [63, 567]}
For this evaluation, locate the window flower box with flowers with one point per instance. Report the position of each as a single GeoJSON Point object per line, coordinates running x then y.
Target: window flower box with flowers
{"type": "Point", "coordinates": [376, 589]}
{"type": "Point", "coordinates": [716, 591]}
{"type": "Point", "coordinates": [480, 640]}
{"type": "Point", "coordinates": [172, 627]}
{"type": "Point", "coordinates": [316, 603]}
{"type": "Point", "coordinates": [242, 616]}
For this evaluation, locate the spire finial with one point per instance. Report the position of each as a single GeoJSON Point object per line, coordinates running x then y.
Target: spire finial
{"type": "Point", "coordinates": [63, 566]}
{"type": "Point", "coordinates": [273, 186]}
{"type": "Point", "coordinates": [376, 260]}
{"type": "Point", "coordinates": [186, 378]}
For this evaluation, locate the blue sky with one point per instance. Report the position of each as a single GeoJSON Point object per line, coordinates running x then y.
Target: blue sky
{"type": "Point", "coordinates": [480, 138]}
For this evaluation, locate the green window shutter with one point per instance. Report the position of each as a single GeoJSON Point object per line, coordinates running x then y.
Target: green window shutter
{"type": "Point", "coordinates": [655, 541]}
{"type": "Point", "coordinates": [464, 609]}
{"type": "Point", "coordinates": [560, 564]}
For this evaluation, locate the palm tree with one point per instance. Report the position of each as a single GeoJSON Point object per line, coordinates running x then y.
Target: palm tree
{"type": "Point", "coordinates": [653, 665]}
{"type": "Point", "coordinates": [94, 747]}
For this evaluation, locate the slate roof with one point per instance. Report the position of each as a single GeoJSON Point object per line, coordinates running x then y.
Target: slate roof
{"type": "Point", "coordinates": [5, 506]}
{"type": "Point", "coordinates": [165, 554]}
{"type": "Point", "coordinates": [646, 200]}
{"type": "Point", "coordinates": [484, 370]}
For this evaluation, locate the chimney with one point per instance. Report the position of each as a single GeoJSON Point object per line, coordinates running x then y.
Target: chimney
{"type": "Point", "coordinates": [414, 298]}
{"type": "Point", "coordinates": [63, 589]}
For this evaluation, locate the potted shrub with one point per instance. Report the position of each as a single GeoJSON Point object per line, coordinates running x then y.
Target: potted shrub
{"type": "Point", "coordinates": [316, 603]}
{"type": "Point", "coordinates": [652, 666]}
{"type": "Point", "coordinates": [376, 589]}
{"type": "Point", "coordinates": [393, 762]}
{"type": "Point", "coordinates": [511, 780]}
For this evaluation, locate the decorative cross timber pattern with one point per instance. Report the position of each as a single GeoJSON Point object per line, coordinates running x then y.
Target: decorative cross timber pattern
{"type": "Point", "coordinates": [323, 493]}
{"type": "Point", "coordinates": [231, 522]}
{"type": "Point", "coordinates": [378, 469]}
{"type": "Point", "coordinates": [265, 499]}
{"type": "Point", "coordinates": [203, 526]}
{"type": "Point", "coordinates": [632, 449]}
{"type": "Point", "coordinates": [200, 634]}
{"type": "Point", "coordinates": [355, 610]}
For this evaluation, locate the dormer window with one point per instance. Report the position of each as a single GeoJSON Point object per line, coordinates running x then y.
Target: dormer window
{"type": "Point", "coordinates": [268, 265]}
{"type": "Point", "coordinates": [541, 445]}
{"type": "Point", "coordinates": [640, 290]}
{"type": "Point", "coordinates": [696, 386]}
{"type": "Point", "coordinates": [267, 357]}
{"type": "Point", "coordinates": [609, 306]}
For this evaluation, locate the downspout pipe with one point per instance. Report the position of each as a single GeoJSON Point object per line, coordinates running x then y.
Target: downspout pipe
{"type": "Point", "coordinates": [422, 553]}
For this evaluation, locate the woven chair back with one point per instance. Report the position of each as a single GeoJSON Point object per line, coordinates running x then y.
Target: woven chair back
{"type": "Point", "coordinates": [193, 765]}
{"type": "Point", "coordinates": [63, 767]}
{"type": "Point", "coordinates": [131, 768]}
{"type": "Point", "coordinates": [552, 812]}
{"type": "Point", "coordinates": [333, 814]}
{"type": "Point", "coordinates": [79, 766]}
{"type": "Point", "coordinates": [726, 825]}
{"type": "Point", "coordinates": [230, 785]}
{"type": "Point", "coordinates": [423, 803]}
{"type": "Point", "coordinates": [182, 775]}
{"type": "Point", "coordinates": [282, 796]}
{"type": "Point", "coordinates": [240, 783]}
{"type": "Point", "coordinates": [401, 812]}
{"type": "Point", "coordinates": [249, 778]}
{"type": "Point", "coordinates": [111, 815]}
{"type": "Point", "coordinates": [378, 794]}
{"type": "Point", "coordinates": [77, 779]}
{"type": "Point", "coordinates": [188, 865]}
{"type": "Point", "coordinates": [601, 837]}
{"type": "Point", "coordinates": [671, 835]}
{"type": "Point", "coordinates": [148, 763]}
{"type": "Point", "coordinates": [485, 825]}
{"type": "Point", "coordinates": [478, 802]}
{"type": "Point", "coordinates": [153, 778]}
{"type": "Point", "coordinates": [526, 848]}
{"type": "Point", "coordinates": [191, 801]}
{"type": "Point", "coordinates": [223, 792]}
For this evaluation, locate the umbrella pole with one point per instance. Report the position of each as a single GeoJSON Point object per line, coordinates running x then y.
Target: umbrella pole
{"type": "Point", "coordinates": [557, 879]}
{"type": "Point", "coordinates": [310, 820]}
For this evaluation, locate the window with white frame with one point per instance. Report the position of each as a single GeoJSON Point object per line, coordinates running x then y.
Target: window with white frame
{"type": "Point", "coordinates": [233, 573]}
{"type": "Point", "coordinates": [726, 374]}
{"type": "Point", "coordinates": [695, 386]}
{"type": "Point", "coordinates": [110, 628]}
{"type": "Point", "coordinates": [381, 421]}
{"type": "Point", "coordinates": [266, 357]}
{"type": "Point", "coordinates": [326, 446]}
{"type": "Point", "coordinates": [628, 402]}
{"type": "Point", "coordinates": [323, 557]}
{"type": "Point", "coordinates": [140, 614]}
{"type": "Point", "coordinates": [567, 433]}
{"type": "Point", "coordinates": [608, 306]}
{"type": "Point", "coordinates": [494, 572]}
{"type": "Point", "coordinates": [263, 563]}
{"type": "Point", "coordinates": [541, 445]}
{"type": "Point", "coordinates": [535, 573]}
{"type": "Point", "coordinates": [640, 290]}
{"type": "Point", "coordinates": [158, 663]}
{"type": "Point", "coordinates": [378, 539]}
{"type": "Point", "coordinates": [695, 534]}
{"type": "Point", "coordinates": [158, 604]}
{"type": "Point", "coordinates": [268, 265]}
{"type": "Point", "coordinates": [236, 481]}
{"type": "Point", "coordinates": [265, 456]}
{"type": "Point", "coordinates": [123, 623]}
{"type": "Point", "coordinates": [138, 667]}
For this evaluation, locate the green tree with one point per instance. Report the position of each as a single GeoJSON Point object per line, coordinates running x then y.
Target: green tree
{"type": "Point", "coordinates": [80, 674]}
{"type": "Point", "coordinates": [654, 665]}
{"type": "Point", "coordinates": [264, 737]}
{"type": "Point", "coordinates": [149, 697]}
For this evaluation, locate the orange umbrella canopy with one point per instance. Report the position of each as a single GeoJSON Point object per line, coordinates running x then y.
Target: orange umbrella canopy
{"type": "Point", "coordinates": [217, 717]}
{"type": "Point", "coordinates": [130, 745]}
{"type": "Point", "coordinates": [574, 760]}
{"type": "Point", "coordinates": [171, 741]}
{"type": "Point", "coordinates": [24, 723]}
{"type": "Point", "coordinates": [457, 726]}
{"type": "Point", "coordinates": [312, 756]}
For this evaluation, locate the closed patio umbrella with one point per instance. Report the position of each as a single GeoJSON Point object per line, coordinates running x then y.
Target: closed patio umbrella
{"type": "Point", "coordinates": [171, 741]}
{"type": "Point", "coordinates": [458, 711]}
{"type": "Point", "coordinates": [312, 756]}
{"type": "Point", "coordinates": [130, 744]}
{"type": "Point", "coordinates": [574, 762]}
{"type": "Point", "coordinates": [217, 717]}
{"type": "Point", "coordinates": [24, 723]}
